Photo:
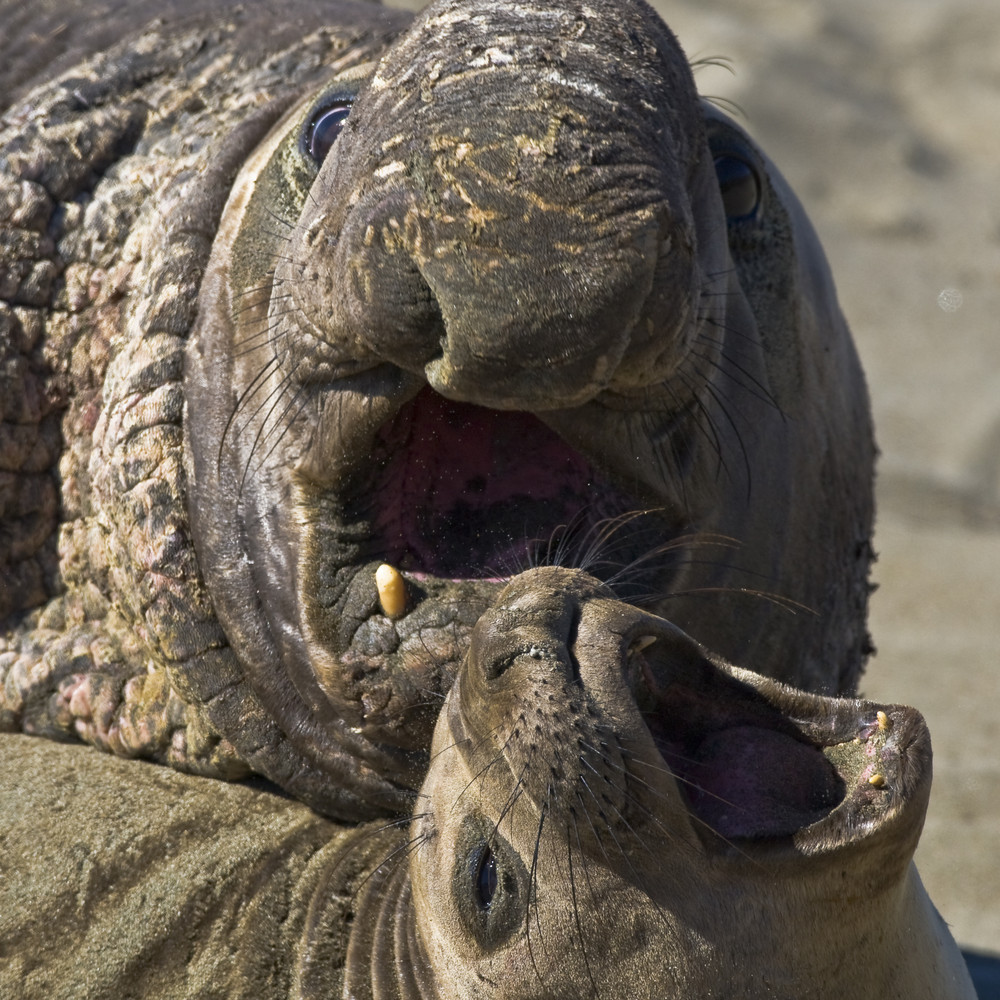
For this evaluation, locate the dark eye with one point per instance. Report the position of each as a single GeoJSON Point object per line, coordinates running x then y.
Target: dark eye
{"type": "Point", "coordinates": [739, 186]}
{"type": "Point", "coordinates": [323, 128]}
{"type": "Point", "coordinates": [488, 883]}
{"type": "Point", "coordinates": [485, 863]}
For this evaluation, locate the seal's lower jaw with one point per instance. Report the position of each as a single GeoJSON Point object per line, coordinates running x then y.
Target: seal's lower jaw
{"type": "Point", "coordinates": [766, 768]}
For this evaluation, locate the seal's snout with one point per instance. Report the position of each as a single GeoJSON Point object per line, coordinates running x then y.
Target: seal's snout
{"type": "Point", "coordinates": [567, 328]}
{"type": "Point", "coordinates": [531, 296]}
{"type": "Point", "coordinates": [450, 292]}
{"type": "Point", "coordinates": [538, 253]}
{"type": "Point", "coordinates": [533, 623]}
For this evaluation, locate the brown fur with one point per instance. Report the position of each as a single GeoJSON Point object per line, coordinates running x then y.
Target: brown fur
{"type": "Point", "coordinates": [609, 882]}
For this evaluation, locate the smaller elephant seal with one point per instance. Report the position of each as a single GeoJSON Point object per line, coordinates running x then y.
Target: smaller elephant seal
{"type": "Point", "coordinates": [612, 811]}
{"type": "Point", "coordinates": [609, 812]}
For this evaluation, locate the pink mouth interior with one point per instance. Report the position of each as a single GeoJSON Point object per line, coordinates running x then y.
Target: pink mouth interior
{"type": "Point", "coordinates": [468, 492]}
{"type": "Point", "coordinates": [746, 781]}
{"type": "Point", "coordinates": [745, 770]}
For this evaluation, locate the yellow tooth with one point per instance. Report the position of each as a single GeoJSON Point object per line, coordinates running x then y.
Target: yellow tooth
{"type": "Point", "coordinates": [391, 590]}
{"type": "Point", "coordinates": [877, 781]}
{"type": "Point", "coordinates": [884, 722]}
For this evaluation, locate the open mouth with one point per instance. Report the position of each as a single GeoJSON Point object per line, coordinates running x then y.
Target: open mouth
{"type": "Point", "coordinates": [744, 772]}
{"type": "Point", "coordinates": [467, 492]}
{"type": "Point", "coordinates": [755, 760]}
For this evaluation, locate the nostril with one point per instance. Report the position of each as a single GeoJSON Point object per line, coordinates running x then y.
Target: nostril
{"type": "Point", "coordinates": [531, 630]}
{"type": "Point", "coordinates": [369, 290]}
{"type": "Point", "coordinates": [497, 667]}
{"type": "Point", "coordinates": [397, 315]}
{"type": "Point", "coordinates": [530, 655]}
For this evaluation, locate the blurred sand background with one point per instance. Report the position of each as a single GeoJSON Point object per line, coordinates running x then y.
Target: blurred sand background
{"type": "Point", "coordinates": [885, 117]}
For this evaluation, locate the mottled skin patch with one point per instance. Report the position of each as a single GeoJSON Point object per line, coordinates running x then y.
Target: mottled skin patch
{"type": "Point", "coordinates": [112, 184]}
{"type": "Point", "coordinates": [206, 402]}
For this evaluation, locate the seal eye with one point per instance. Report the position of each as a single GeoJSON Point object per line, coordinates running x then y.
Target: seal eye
{"type": "Point", "coordinates": [488, 883]}
{"type": "Point", "coordinates": [739, 185]}
{"type": "Point", "coordinates": [485, 877]}
{"type": "Point", "coordinates": [323, 127]}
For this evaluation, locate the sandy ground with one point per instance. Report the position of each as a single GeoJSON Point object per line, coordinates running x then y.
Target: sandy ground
{"type": "Point", "coordinates": [884, 116]}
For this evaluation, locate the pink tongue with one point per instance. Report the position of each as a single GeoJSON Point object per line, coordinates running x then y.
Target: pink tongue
{"type": "Point", "coordinates": [752, 782]}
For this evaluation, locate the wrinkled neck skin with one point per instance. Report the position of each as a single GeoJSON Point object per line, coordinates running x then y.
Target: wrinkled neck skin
{"type": "Point", "coordinates": [506, 320]}
{"type": "Point", "coordinates": [564, 846]}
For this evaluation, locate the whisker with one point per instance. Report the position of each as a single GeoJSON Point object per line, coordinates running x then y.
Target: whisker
{"type": "Point", "coordinates": [749, 384]}
{"type": "Point", "coordinates": [498, 757]}
{"type": "Point", "coordinates": [617, 811]}
{"type": "Point", "coordinates": [785, 603]}
{"type": "Point", "coordinates": [711, 432]}
{"type": "Point", "coordinates": [611, 831]}
{"type": "Point", "coordinates": [247, 394]}
{"type": "Point", "coordinates": [533, 890]}
{"type": "Point", "coordinates": [728, 353]}
{"type": "Point", "coordinates": [576, 915]}
{"type": "Point", "coordinates": [515, 794]}
{"type": "Point", "coordinates": [406, 848]}
{"type": "Point", "coordinates": [299, 401]}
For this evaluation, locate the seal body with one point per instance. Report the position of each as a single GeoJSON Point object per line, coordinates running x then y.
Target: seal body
{"type": "Point", "coordinates": [457, 295]}
{"type": "Point", "coordinates": [123, 878]}
{"type": "Point", "coordinates": [609, 811]}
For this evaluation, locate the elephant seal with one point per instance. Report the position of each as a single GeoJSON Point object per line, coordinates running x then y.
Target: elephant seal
{"type": "Point", "coordinates": [287, 297]}
{"type": "Point", "coordinates": [609, 811]}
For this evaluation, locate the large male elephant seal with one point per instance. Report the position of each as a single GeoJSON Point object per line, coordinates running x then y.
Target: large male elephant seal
{"type": "Point", "coordinates": [609, 811]}
{"type": "Point", "coordinates": [291, 293]}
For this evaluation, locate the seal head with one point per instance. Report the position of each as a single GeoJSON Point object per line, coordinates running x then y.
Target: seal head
{"type": "Point", "coordinates": [611, 811]}
{"type": "Point", "coordinates": [464, 343]}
